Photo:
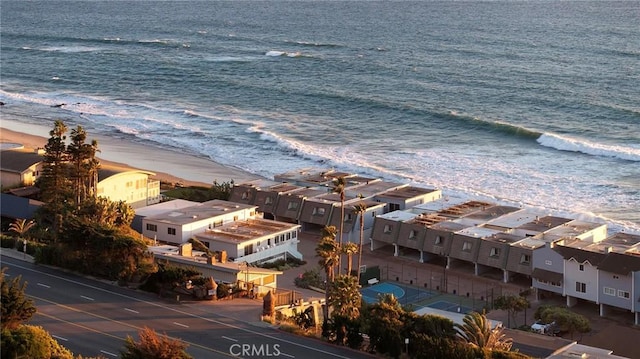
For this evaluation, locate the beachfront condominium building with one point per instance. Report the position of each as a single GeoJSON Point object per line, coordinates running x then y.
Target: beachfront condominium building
{"type": "Point", "coordinates": [220, 225]}
{"type": "Point", "coordinates": [605, 272]}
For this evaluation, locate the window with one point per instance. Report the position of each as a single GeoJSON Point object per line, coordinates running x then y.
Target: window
{"type": "Point", "coordinates": [245, 195]}
{"type": "Point", "coordinates": [581, 268]}
{"type": "Point", "coordinates": [609, 291]}
{"type": "Point", "coordinates": [581, 287]}
{"type": "Point", "coordinates": [268, 200]}
{"type": "Point", "coordinates": [438, 239]}
{"type": "Point", "coordinates": [348, 217]}
{"type": "Point", "coordinates": [525, 259]}
{"type": "Point", "coordinates": [217, 223]}
{"type": "Point", "coordinates": [548, 262]}
{"type": "Point", "coordinates": [171, 231]}
{"type": "Point", "coordinates": [268, 241]}
{"type": "Point", "coordinates": [318, 211]}
{"type": "Point", "coordinates": [288, 235]}
{"type": "Point", "coordinates": [623, 294]}
{"type": "Point", "coordinates": [413, 234]}
{"type": "Point", "coordinates": [495, 252]}
{"type": "Point", "coordinates": [248, 249]}
{"type": "Point", "coordinates": [466, 246]}
{"type": "Point", "coordinates": [235, 218]}
{"type": "Point", "coordinates": [394, 207]}
{"type": "Point", "coordinates": [292, 206]}
{"type": "Point", "coordinates": [388, 228]}
{"type": "Point", "coordinates": [152, 227]}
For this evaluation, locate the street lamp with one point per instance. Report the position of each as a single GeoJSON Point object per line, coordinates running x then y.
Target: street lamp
{"type": "Point", "coordinates": [406, 343]}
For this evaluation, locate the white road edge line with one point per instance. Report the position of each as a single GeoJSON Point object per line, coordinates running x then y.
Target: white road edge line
{"type": "Point", "coordinates": [60, 338]}
{"type": "Point", "coordinates": [44, 285]}
{"type": "Point", "coordinates": [108, 353]}
{"type": "Point", "coordinates": [131, 310]}
{"type": "Point", "coordinates": [180, 324]}
{"type": "Point", "coordinates": [227, 338]}
{"type": "Point", "coordinates": [87, 298]}
{"type": "Point", "coordinates": [287, 355]}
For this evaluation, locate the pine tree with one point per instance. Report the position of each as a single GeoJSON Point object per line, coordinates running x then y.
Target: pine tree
{"type": "Point", "coordinates": [16, 307]}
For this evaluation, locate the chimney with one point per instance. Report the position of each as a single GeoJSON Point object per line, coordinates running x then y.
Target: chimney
{"type": "Point", "coordinates": [185, 250]}
{"type": "Point", "coordinates": [223, 257]}
{"type": "Point", "coordinates": [212, 260]}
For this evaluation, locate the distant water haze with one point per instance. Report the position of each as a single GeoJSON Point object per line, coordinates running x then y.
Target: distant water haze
{"type": "Point", "coordinates": [534, 104]}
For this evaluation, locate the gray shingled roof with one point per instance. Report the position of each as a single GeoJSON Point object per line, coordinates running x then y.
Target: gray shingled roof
{"type": "Point", "coordinates": [18, 161]}
{"type": "Point", "coordinates": [580, 255]}
{"type": "Point", "coordinates": [620, 263]}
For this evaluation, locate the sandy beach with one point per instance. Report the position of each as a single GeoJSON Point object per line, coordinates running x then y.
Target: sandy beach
{"type": "Point", "coordinates": [169, 166]}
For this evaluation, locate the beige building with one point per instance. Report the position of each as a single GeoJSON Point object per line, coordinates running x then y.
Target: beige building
{"type": "Point", "coordinates": [19, 167]}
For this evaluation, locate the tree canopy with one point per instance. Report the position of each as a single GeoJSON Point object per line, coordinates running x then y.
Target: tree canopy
{"type": "Point", "coordinates": [16, 307]}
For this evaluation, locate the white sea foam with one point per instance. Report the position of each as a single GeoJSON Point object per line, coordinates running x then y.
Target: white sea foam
{"type": "Point", "coordinates": [565, 143]}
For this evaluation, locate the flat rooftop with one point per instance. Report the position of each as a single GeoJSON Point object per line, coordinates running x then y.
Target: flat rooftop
{"type": "Point", "coordinates": [242, 231]}
{"type": "Point", "coordinates": [543, 224]}
{"type": "Point", "coordinates": [502, 237]}
{"type": "Point", "coordinates": [514, 219]}
{"type": "Point", "coordinates": [464, 209]}
{"type": "Point", "coordinates": [574, 228]}
{"type": "Point", "coordinates": [199, 212]}
{"type": "Point", "coordinates": [163, 207]}
{"type": "Point", "coordinates": [371, 189]}
{"type": "Point", "coordinates": [478, 232]}
{"type": "Point", "coordinates": [400, 216]}
{"type": "Point", "coordinates": [407, 192]}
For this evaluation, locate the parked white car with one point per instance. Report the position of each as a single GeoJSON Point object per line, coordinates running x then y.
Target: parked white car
{"type": "Point", "coordinates": [542, 328]}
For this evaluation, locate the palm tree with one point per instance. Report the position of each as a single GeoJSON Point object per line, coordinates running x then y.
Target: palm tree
{"type": "Point", "coordinates": [339, 185]}
{"type": "Point", "coordinates": [359, 209]}
{"type": "Point", "coordinates": [329, 252]}
{"type": "Point", "coordinates": [84, 165]}
{"type": "Point", "coordinates": [21, 226]}
{"type": "Point", "coordinates": [477, 331]}
{"type": "Point", "coordinates": [349, 248]}
{"type": "Point", "coordinates": [345, 297]}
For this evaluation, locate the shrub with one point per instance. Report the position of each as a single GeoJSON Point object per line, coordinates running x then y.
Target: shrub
{"type": "Point", "coordinates": [7, 241]}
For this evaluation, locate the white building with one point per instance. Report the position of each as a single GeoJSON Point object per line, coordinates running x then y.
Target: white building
{"type": "Point", "coordinates": [177, 226]}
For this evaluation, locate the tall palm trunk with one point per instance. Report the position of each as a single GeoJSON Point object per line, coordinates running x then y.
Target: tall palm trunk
{"type": "Point", "coordinates": [360, 244]}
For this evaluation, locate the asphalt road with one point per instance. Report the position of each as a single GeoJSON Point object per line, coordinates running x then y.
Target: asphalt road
{"type": "Point", "coordinates": [93, 318]}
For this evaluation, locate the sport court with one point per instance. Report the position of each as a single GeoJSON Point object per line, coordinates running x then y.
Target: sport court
{"type": "Point", "coordinates": [414, 296]}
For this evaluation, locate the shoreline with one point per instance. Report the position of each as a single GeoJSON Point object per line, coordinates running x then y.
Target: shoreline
{"type": "Point", "coordinates": [168, 165]}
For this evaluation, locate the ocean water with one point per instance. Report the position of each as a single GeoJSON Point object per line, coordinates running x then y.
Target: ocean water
{"type": "Point", "coordinates": [532, 103]}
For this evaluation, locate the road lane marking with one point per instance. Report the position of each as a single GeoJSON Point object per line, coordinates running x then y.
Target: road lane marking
{"type": "Point", "coordinates": [181, 325]}
{"type": "Point", "coordinates": [44, 285]}
{"type": "Point", "coordinates": [60, 338]}
{"type": "Point", "coordinates": [227, 338]}
{"type": "Point", "coordinates": [87, 298]}
{"type": "Point", "coordinates": [287, 355]}
{"type": "Point", "coordinates": [108, 353]}
{"type": "Point", "coordinates": [131, 310]}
